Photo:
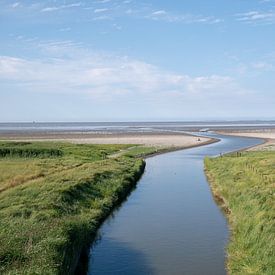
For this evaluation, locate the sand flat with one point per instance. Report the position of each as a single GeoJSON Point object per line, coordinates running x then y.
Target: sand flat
{"type": "Point", "coordinates": [154, 139]}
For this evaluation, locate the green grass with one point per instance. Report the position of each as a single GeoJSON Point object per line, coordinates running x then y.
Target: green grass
{"type": "Point", "coordinates": [244, 185]}
{"type": "Point", "coordinates": [142, 151]}
{"type": "Point", "coordinates": [145, 151]}
{"type": "Point", "coordinates": [51, 204]}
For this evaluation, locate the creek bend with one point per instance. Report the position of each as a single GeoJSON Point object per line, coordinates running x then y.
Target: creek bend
{"type": "Point", "coordinates": [170, 224]}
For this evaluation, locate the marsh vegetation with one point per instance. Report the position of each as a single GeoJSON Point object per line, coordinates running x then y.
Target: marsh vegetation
{"type": "Point", "coordinates": [244, 185]}
{"type": "Point", "coordinates": [53, 196]}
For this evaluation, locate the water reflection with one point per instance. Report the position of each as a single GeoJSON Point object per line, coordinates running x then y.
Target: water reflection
{"type": "Point", "coordinates": [137, 262]}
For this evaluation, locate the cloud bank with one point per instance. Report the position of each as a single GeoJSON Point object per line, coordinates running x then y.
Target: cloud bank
{"type": "Point", "coordinates": [68, 68]}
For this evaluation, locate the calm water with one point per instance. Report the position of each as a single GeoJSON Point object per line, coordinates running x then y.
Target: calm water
{"type": "Point", "coordinates": [170, 223]}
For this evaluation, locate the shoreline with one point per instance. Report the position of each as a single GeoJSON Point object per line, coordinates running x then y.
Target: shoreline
{"type": "Point", "coordinates": [222, 203]}
{"type": "Point", "coordinates": [80, 261]}
{"type": "Point", "coordinates": [267, 135]}
{"type": "Point", "coordinates": [171, 149]}
{"type": "Point", "coordinates": [164, 142]}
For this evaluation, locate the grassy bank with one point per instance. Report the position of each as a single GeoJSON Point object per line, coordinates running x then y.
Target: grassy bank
{"type": "Point", "coordinates": [53, 197]}
{"type": "Point", "coordinates": [244, 185]}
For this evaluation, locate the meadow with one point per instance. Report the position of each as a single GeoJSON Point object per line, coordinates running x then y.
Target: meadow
{"type": "Point", "coordinates": [244, 186]}
{"type": "Point", "coordinates": [53, 197]}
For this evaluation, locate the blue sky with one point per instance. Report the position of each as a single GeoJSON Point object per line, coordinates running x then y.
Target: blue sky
{"type": "Point", "coordinates": [127, 60]}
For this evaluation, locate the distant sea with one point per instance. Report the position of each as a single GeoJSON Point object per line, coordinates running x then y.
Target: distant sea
{"type": "Point", "coordinates": [115, 127]}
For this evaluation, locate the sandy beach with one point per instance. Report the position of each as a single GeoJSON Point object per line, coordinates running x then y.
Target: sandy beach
{"type": "Point", "coordinates": [148, 139]}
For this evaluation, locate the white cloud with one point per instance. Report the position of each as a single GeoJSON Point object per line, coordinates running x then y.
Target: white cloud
{"type": "Point", "coordinates": [162, 15]}
{"type": "Point", "coordinates": [102, 17]}
{"type": "Point", "coordinates": [100, 10]}
{"type": "Point", "coordinates": [256, 17]}
{"type": "Point", "coordinates": [48, 9]}
{"type": "Point", "coordinates": [55, 8]}
{"type": "Point", "coordinates": [116, 9]}
{"type": "Point", "coordinates": [15, 5]}
{"type": "Point", "coordinates": [117, 27]}
{"type": "Point", "coordinates": [67, 29]}
{"type": "Point", "coordinates": [103, 1]}
{"type": "Point", "coordinates": [160, 12]}
{"type": "Point", "coordinates": [67, 68]}
{"type": "Point", "coordinates": [262, 66]}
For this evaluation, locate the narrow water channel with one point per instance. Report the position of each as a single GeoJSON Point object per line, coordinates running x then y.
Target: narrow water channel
{"type": "Point", "coordinates": [170, 223]}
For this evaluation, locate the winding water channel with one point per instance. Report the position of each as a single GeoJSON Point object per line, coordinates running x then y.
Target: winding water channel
{"type": "Point", "coordinates": [170, 223]}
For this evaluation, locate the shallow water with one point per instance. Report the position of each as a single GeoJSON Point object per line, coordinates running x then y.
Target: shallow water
{"type": "Point", "coordinates": [128, 127]}
{"type": "Point", "coordinates": [170, 223]}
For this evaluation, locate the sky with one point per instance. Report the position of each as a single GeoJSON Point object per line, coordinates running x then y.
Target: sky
{"type": "Point", "coordinates": [128, 60]}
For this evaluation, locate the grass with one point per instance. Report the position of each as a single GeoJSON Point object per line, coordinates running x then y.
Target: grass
{"type": "Point", "coordinates": [142, 151]}
{"type": "Point", "coordinates": [145, 151]}
{"type": "Point", "coordinates": [244, 185]}
{"type": "Point", "coordinates": [53, 197]}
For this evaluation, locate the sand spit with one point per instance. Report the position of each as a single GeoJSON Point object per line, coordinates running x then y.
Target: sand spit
{"type": "Point", "coordinates": [267, 134]}
{"type": "Point", "coordinates": [148, 139]}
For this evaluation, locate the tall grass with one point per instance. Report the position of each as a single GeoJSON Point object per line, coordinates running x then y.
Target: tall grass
{"type": "Point", "coordinates": [51, 207]}
{"type": "Point", "coordinates": [244, 185]}
{"type": "Point", "coordinates": [29, 152]}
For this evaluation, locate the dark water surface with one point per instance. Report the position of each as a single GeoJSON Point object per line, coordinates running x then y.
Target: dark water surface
{"type": "Point", "coordinates": [170, 223]}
